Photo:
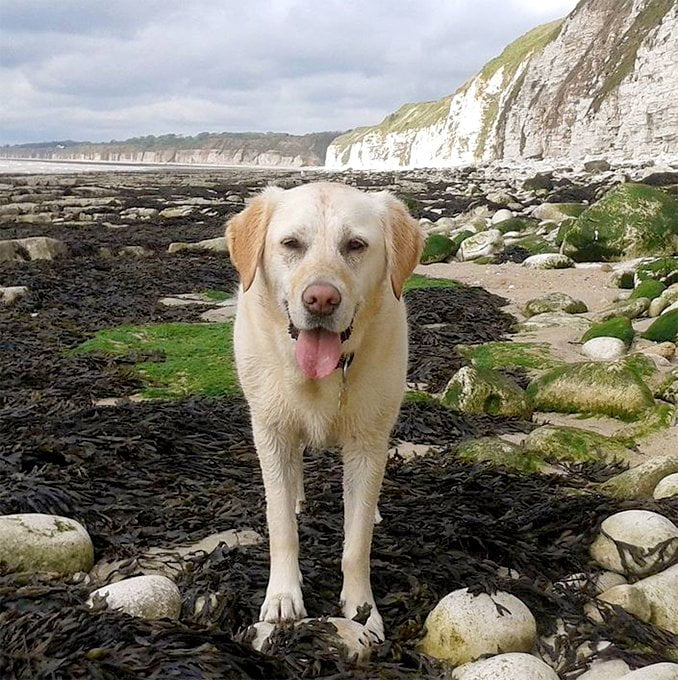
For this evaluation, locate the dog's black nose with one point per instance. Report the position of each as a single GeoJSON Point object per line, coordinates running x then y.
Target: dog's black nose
{"type": "Point", "coordinates": [321, 299]}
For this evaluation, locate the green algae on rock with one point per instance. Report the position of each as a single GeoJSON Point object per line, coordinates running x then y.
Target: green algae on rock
{"type": "Point", "coordinates": [664, 328]}
{"type": "Point", "coordinates": [437, 249]}
{"type": "Point", "coordinates": [648, 288]}
{"type": "Point", "coordinates": [612, 389]}
{"type": "Point", "coordinates": [619, 327]}
{"type": "Point", "coordinates": [631, 220]}
{"type": "Point", "coordinates": [663, 269]}
{"type": "Point", "coordinates": [555, 302]}
{"type": "Point", "coordinates": [511, 355]}
{"type": "Point", "coordinates": [481, 390]}
{"type": "Point", "coordinates": [560, 443]}
{"type": "Point", "coordinates": [498, 452]}
{"type": "Point", "coordinates": [640, 481]}
{"type": "Point", "coordinates": [631, 309]}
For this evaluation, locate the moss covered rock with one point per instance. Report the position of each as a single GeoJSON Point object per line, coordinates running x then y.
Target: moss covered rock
{"type": "Point", "coordinates": [663, 269]}
{"type": "Point", "coordinates": [664, 328]}
{"type": "Point", "coordinates": [640, 481]}
{"type": "Point", "coordinates": [619, 327]}
{"type": "Point", "coordinates": [554, 443]}
{"type": "Point", "coordinates": [509, 355]}
{"type": "Point", "coordinates": [481, 390]}
{"type": "Point", "coordinates": [631, 309]}
{"type": "Point", "coordinates": [631, 220]}
{"type": "Point", "coordinates": [557, 212]}
{"type": "Point", "coordinates": [624, 279]}
{"type": "Point", "coordinates": [437, 249]}
{"type": "Point", "coordinates": [535, 245]}
{"type": "Point", "coordinates": [554, 320]}
{"type": "Point", "coordinates": [649, 289]}
{"type": "Point", "coordinates": [499, 453]}
{"type": "Point", "coordinates": [612, 389]}
{"type": "Point", "coordinates": [548, 261]}
{"type": "Point", "coordinates": [555, 302]}
{"type": "Point", "coordinates": [515, 224]}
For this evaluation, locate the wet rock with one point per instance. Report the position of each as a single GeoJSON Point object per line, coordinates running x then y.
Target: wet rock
{"type": "Point", "coordinates": [614, 389]}
{"type": "Point", "coordinates": [44, 543]}
{"type": "Point", "coordinates": [345, 635]}
{"type": "Point", "coordinates": [509, 666]}
{"type": "Point", "coordinates": [548, 261]}
{"type": "Point", "coordinates": [555, 302]}
{"type": "Point", "coordinates": [484, 244]}
{"type": "Point", "coordinates": [617, 327]}
{"type": "Point", "coordinates": [148, 597]}
{"type": "Point", "coordinates": [463, 627]}
{"type": "Point", "coordinates": [667, 487]}
{"type": "Point", "coordinates": [478, 390]}
{"type": "Point", "coordinates": [636, 543]}
{"type": "Point", "coordinates": [9, 295]}
{"type": "Point", "coordinates": [604, 349]}
{"type": "Point", "coordinates": [661, 591]}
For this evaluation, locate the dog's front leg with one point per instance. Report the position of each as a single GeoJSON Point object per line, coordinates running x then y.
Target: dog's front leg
{"type": "Point", "coordinates": [279, 461]}
{"type": "Point", "coordinates": [363, 474]}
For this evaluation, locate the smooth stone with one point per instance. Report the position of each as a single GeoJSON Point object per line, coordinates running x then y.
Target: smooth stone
{"type": "Point", "coordinates": [661, 591]}
{"type": "Point", "coordinates": [463, 627]}
{"type": "Point", "coordinates": [501, 216]}
{"type": "Point", "coordinates": [604, 349]}
{"type": "Point", "coordinates": [9, 295]}
{"type": "Point", "coordinates": [215, 245]}
{"type": "Point", "coordinates": [482, 244]}
{"type": "Point", "coordinates": [134, 251]}
{"type": "Point", "coordinates": [36, 542]}
{"type": "Point", "coordinates": [511, 666]}
{"type": "Point", "coordinates": [43, 247]}
{"type": "Point", "coordinates": [555, 302]}
{"type": "Point", "coordinates": [148, 597]}
{"type": "Point", "coordinates": [350, 637]}
{"type": "Point", "coordinates": [640, 481]}
{"type": "Point", "coordinates": [178, 211]}
{"type": "Point", "coordinates": [667, 487]}
{"type": "Point", "coordinates": [548, 261]}
{"type": "Point", "coordinates": [657, 306]}
{"type": "Point", "coordinates": [644, 530]}
{"type": "Point", "coordinates": [553, 320]}
{"type": "Point", "coordinates": [628, 597]}
{"type": "Point", "coordinates": [657, 671]}
{"type": "Point", "coordinates": [606, 670]}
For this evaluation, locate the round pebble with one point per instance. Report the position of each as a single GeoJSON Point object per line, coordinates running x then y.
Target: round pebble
{"type": "Point", "coordinates": [148, 597]}
{"type": "Point", "coordinates": [506, 667]}
{"type": "Point", "coordinates": [667, 487]}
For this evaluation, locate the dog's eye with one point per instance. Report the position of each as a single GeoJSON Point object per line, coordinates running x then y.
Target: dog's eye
{"type": "Point", "coordinates": [291, 243]}
{"type": "Point", "coordinates": [355, 245]}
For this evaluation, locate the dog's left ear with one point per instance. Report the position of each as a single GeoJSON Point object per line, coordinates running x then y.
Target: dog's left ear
{"type": "Point", "coordinates": [404, 241]}
{"type": "Point", "coordinates": [246, 234]}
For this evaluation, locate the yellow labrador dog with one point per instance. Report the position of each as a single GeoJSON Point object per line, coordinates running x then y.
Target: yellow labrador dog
{"type": "Point", "coordinates": [321, 351]}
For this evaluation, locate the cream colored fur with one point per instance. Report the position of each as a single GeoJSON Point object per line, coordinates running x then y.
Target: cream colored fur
{"type": "Point", "coordinates": [289, 411]}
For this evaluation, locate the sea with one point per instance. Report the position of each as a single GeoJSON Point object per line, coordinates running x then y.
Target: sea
{"type": "Point", "coordinates": [41, 167]}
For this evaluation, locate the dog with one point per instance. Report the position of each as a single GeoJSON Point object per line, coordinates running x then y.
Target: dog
{"type": "Point", "coordinates": [320, 341]}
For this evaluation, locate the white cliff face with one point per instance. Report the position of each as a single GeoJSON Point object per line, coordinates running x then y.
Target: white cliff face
{"type": "Point", "coordinates": [602, 82]}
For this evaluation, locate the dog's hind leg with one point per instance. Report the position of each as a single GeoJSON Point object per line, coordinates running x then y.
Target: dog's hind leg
{"type": "Point", "coordinates": [277, 455]}
{"type": "Point", "coordinates": [364, 466]}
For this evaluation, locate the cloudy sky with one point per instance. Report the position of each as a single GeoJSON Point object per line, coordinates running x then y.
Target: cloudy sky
{"type": "Point", "coordinates": [111, 69]}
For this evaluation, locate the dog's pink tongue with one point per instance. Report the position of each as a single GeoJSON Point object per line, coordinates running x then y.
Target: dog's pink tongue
{"type": "Point", "coordinates": [318, 352]}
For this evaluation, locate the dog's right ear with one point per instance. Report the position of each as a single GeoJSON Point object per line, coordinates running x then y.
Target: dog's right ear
{"type": "Point", "coordinates": [246, 234]}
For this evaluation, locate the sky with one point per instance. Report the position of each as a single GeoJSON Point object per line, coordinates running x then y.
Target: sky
{"type": "Point", "coordinates": [98, 70]}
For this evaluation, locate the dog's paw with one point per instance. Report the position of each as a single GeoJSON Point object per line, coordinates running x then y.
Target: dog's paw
{"type": "Point", "coordinates": [283, 606]}
{"type": "Point", "coordinates": [374, 625]}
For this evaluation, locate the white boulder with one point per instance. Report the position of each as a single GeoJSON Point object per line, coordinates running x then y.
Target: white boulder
{"type": "Point", "coordinates": [606, 670]}
{"type": "Point", "coordinates": [667, 487]}
{"type": "Point", "coordinates": [635, 542]}
{"type": "Point", "coordinates": [11, 294]}
{"type": "Point", "coordinates": [661, 591]}
{"type": "Point", "coordinates": [148, 597]}
{"type": "Point", "coordinates": [548, 261]}
{"type": "Point", "coordinates": [657, 671]}
{"type": "Point", "coordinates": [482, 244]}
{"type": "Point", "coordinates": [512, 666]}
{"type": "Point", "coordinates": [35, 542]}
{"type": "Point", "coordinates": [463, 627]}
{"type": "Point", "coordinates": [604, 349]}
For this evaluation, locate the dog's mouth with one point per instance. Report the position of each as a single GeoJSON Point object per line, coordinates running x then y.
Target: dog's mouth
{"type": "Point", "coordinates": [318, 350]}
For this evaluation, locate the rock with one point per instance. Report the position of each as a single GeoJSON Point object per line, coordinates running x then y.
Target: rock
{"type": "Point", "coordinates": [43, 247]}
{"type": "Point", "coordinates": [661, 591]}
{"type": "Point", "coordinates": [437, 249]}
{"type": "Point", "coordinates": [139, 213]}
{"type": "Point", "coordinates": [336, 633]}
{"type": "Point", "coordinates": [148, 597]}
{"type": "Point", "coordinates": [657, 671]}
{"type": "Point", "coordinates": [481, 390]}
{"type": "Point", "coordinates": [666, 350]}
{"type": "Point", "coordinates": [657, 306]}
{"type": "Point", "coordinates": [554, 320]}
{"type": "Point", "coordinates": [484, 244]}
{"type": "Point", "coordinates": [216, 245]}
{"type": "Point", "coordinates": [635, 543]}
{"type": "Point", "coordinates": [614, 389]}
{"type": "Point", "coordinates": [604, 349]}
{"type": "Point", "coordinates": [548, 261]}
{"type": "Point", "coordinates": [541, 180]}
{"type": "Point", "coordinates": [515, 225]}
{"type": "Point", "coordinates": [501, 216]}
{"type": "Point", "coordinates": [463, 627]}
{"type": "Point", "coordinates": [512, 666]}
{"type": "Point", "coordinates": [558, 443]}
{"type": "Point", "coordinates": [44, 543]}
{"type": "Point", "coordinates": [134, 251]}
{"type": "Point", "coordinates": [663, 269]}
{"type": "Point", "coordinates": [623, 278]}
{"type": "Point", "coordinates": [617, 327]}
{"type": "Point", "coordinates": [628, 597]}
{"type": "Point", "coordinates": [178, 211]}
{"type": "Point", "coordinates": [641, 481]}
{"type": "Point", "coordinates": [558, 212]}
{"type": "Point", "coordinates": [667, 487]}
{"type": "Point", "coordinates": [11, 251]}
{"type": "Point", "coordinates": [631, 309]}
{"type": "Point", "coordinates": [631, 220]}
{"type": "Point", "coordinates": [606, 670]}
{"type": "Point", "coordinates": [9, 295]}
{"type": "Point", "coordinates": [500, 453]}
{"type": "Point", "coordinates": [664, 328]}
{"type": "Point", "coordinates": [649, 288]}
{"type": "Point", "coordinates": [533, 245]}
{"type": "Point", "coordinates": [670, 294]}
{"type": "Point", "coordinates": [555, 302]}
{"type": "Point", "coordinates": [597, 166]}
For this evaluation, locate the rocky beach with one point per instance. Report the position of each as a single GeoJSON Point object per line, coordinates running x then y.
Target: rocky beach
{"type": "Point", "coordinates": [531, 497]}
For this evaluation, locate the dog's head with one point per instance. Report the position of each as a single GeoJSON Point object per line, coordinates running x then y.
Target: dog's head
{"type": "Point", "coordinates": [321, 250]}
